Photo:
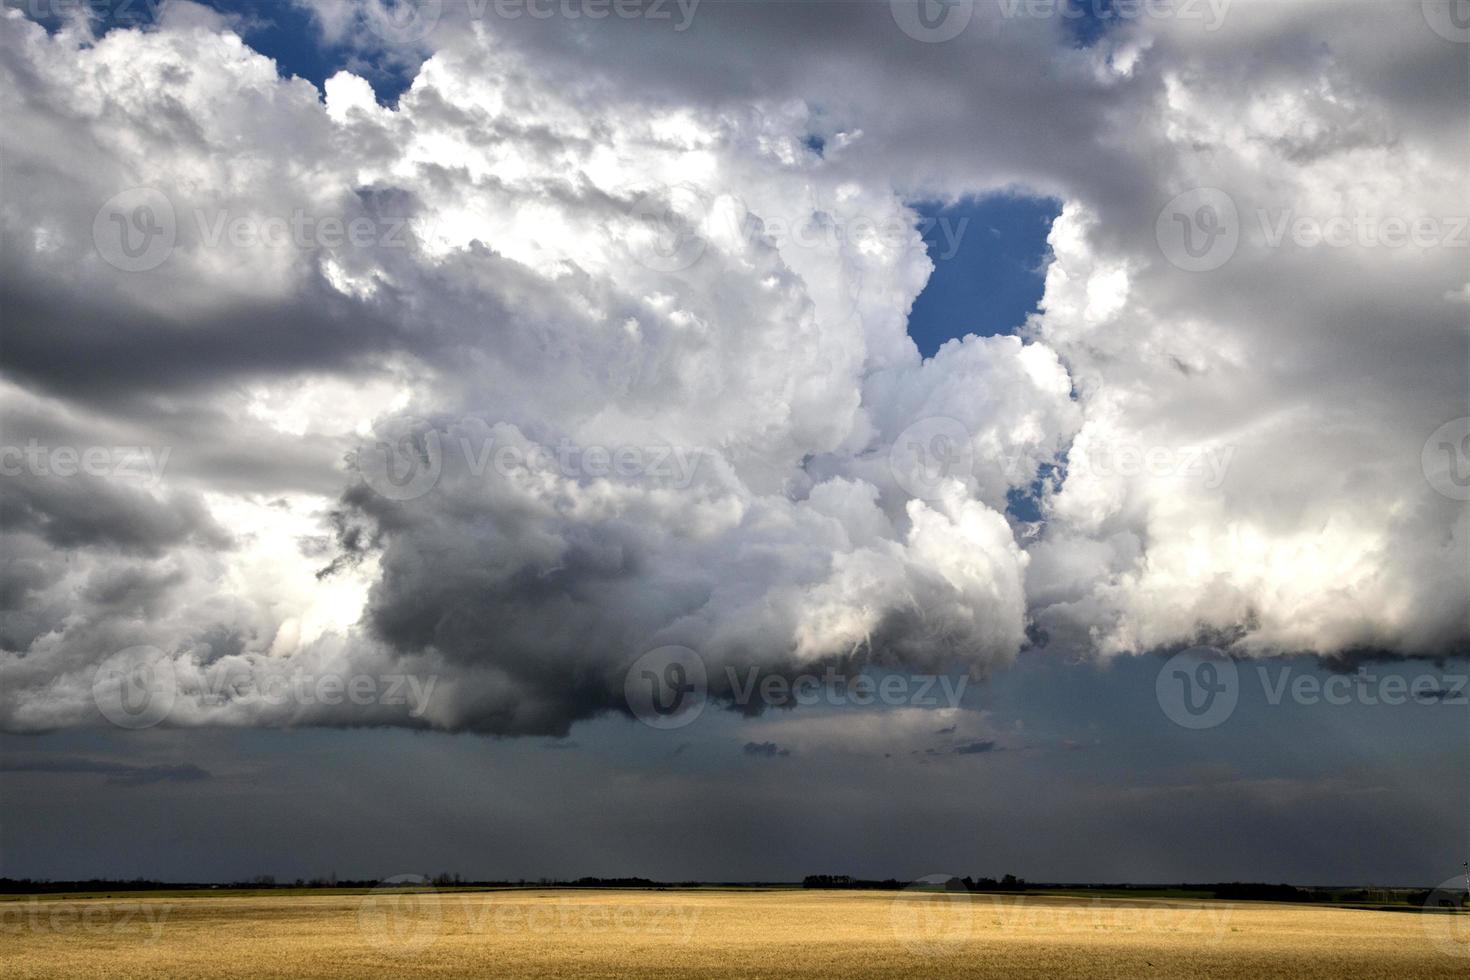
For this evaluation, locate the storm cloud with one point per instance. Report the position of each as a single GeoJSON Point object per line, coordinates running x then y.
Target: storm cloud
{"type": "Point", "coordinates": [519, 378]}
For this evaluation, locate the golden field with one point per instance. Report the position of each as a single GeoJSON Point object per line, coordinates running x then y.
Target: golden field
{"type": "Point", "coordinates": [715, 933]}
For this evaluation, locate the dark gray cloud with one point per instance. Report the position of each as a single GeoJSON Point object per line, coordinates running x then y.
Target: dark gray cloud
{"type": "Point", "coordinates": [78, 512]}
{"type": "Point", "coordinates": [975, 747]}
{"type": "Point", "coordinates": [1264, 797]}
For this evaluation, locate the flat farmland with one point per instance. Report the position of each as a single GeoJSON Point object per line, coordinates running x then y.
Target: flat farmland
{"type": "Point", "coordinates": [714, 933]}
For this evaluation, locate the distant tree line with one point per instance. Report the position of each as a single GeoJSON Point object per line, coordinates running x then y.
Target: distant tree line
{"type": "Point", "coordinates": [1245, 891]}
{"type": "Point", "coordinates": [1008, 883]}
{"type": "Point", "coordinates": [32, 886]}
{"type": "Point", "coordinates": [1237, 891]}
{"type": "Point", "coordinates": [1253, 891]}
{"type": "Point", "coordinates": [444, 879]}
{"type": "Point", "coordinates": [27, 886]}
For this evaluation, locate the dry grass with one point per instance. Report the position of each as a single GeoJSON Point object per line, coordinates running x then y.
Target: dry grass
{"type": "Point", "coordinates": [676, 934]}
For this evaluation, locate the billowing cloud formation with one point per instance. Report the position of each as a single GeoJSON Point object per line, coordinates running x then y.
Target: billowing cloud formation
{"type": "Point", "coordinates": [568, 356]}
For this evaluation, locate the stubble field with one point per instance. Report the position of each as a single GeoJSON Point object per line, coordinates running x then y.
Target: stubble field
{"type": "Point", "coordinates": [715, 933]}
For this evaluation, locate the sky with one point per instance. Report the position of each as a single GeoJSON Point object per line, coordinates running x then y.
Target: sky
{"type": "Point", "coordinates": [989, 259]}
{"type": "Point", "coordinates": [735, 441]}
